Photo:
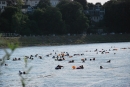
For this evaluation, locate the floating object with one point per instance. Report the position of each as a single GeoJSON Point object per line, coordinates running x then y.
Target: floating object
{"type": "Point", "coordinates": [6, 64]}
{"type": "Point", "coordinates": [20, 72]}
{"type": "Point", "coordinates": [108, 61]}
{"type": "Point", "coordinates": [101, 67]}
{"type": "Point", "coordinates": [58, 67]}
{"type": "Point", "coordinates": [73, 67]}
{"type": "Point", "coordinates": [114, 49]}
{"type": "Point", "coordinates": [83, 60]}
{"type": "Point", "coordinates": [80, 67]}
{"type": "Point", "coordinates": [93, 58]}
{"type": "Point", "coordinates": [71, 61]}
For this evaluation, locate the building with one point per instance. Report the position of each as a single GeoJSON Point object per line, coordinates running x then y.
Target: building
{"type": "Point", "coordinates": [3, 4]}
{"type": "Point", "coordinates": [35, 2]}
{"type": "Point", "coordinates": [32, 3]}
{"type": "Point", "coordinates": [27, 8]}
{"type": "Point", "coordinates": [29, 4]}
{"type": "Point", "coordinates": [96, 12]}
{"type": "Point", "coordinates": [54, 2]}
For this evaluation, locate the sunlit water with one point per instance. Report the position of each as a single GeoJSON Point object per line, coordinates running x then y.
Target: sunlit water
{"type": "Point", "coordinates": [43, 73]}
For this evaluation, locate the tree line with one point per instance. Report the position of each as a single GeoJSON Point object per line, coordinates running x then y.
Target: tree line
{"type": "Point", "coordinates": [67, 17]}
{"type": "Point", "coordinates": [117, 16]}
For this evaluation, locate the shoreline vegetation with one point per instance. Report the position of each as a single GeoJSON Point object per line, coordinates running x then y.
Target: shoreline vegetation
{"type": "Point", "coordinates": [63, 39]}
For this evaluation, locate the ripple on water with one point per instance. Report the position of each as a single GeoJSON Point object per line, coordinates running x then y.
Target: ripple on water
{"type": "Point", "coordinates": [43, 73]}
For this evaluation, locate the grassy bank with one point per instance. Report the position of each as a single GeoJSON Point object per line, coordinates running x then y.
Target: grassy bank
{"type": "Point", "coordinates": [63, 40]}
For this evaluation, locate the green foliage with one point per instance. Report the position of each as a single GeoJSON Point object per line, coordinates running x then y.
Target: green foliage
{"type": "Point", "coordinates": [62, 3]}
{"type": "Point", "coordinates": [24, 80]}
{"type": "Point", "coordinates": [90, 5]}
{"type": "Point", "coordinates": [33, 26]}
{"type": "Point", "coordinates": [16, 22]}
{"type": "Point", "coordinates": [4, 25]}
{"type": "Point", "coordinates": [54, 23]}
{"type": "Point", "coordinates": [83, 3]}
{"type": "Point", "coordinates": [44, 4]}
{"type": "Point", "coordinates": [7, 54]}
{"type": "Point", "coordinates": [12, 46]}
{"type": "Point", "coordinates": [6, 18]}
{"type": "Point", "coordinates": [45, 19]}
{"type": "Point", "coordinates": [66, 17]}
{"type": "Point", "coordinates": [37, 19]}
{"type": "Point", "coordinates": [71, 14]}
{"type": "Point", "coordinates": [81, 24]}
{"type": "Point", "coordinates": [19, 3]}
{"type": "Point", "coordinates": [117, 16]}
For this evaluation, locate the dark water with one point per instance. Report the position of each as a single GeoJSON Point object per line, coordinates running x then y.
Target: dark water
{"type": "Point", "coordinates": [43, 73]}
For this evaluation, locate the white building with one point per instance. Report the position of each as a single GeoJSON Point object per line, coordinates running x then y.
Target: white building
{"type": "Point", "coordinates": [54, 2]}
{"type": "Point", "coordinates": [35, 2]}
{"type": "Point", "coordinates": [3, 4]}
{"type": "Point", "coordinates": [96, 12]}
{"type": "Point", "coordinates": [32, 3]}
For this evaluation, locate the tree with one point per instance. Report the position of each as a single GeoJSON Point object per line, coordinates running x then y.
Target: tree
{"type": "Point", "coordinates": [6, 18]}
{"type": "Point", "coordinates": [16, 22]}
{"type": "Point", "coordinates": [44, 4]}
{"type": "Point", "coordinates": [19, 3]}
{"type": "Point", "coordinates": [37, 19]}
{"type": "Point", "coordinates": [90, 5]}
{"type": "Point", "coordinates": [4, 25]}
{"type": "Point", "coordinates": [20, 23]}
{"type": "Point", "coordinates": [81, 24]}
{"type": "Point", "coordinates": [117, 16]}
{"type": "Point", "coordinates": [62, 3]}
{"type": "Point", "coordinates": [83, 3]}
{"type": "Point", "coordinates": [54, 23]}
{"type": "Point", "coordinates": [71, 14]}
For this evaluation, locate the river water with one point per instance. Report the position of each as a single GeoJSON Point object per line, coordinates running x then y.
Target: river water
{"type": "Point", "coordinates": [43, 72]}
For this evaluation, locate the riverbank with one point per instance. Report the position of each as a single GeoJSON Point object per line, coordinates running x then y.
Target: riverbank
{"type": "Point", "coordinates": [65, 39]}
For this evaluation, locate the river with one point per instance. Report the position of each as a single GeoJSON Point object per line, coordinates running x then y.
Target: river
{"type": "Point", "coordinates": [43, 72]}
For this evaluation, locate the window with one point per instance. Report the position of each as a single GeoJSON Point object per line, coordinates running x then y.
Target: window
{"type": "Point", "coordinates": [53, 3]}
{"type": "Point", "coordinates": [101, 18]}
{"type": "Point", "coordinates": [2, 7]}
{"type": "Point", "coordinates": [3, 2]}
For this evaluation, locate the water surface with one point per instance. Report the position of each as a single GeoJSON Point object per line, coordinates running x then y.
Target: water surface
{"type": "Point", "coordinates": [43, 73]}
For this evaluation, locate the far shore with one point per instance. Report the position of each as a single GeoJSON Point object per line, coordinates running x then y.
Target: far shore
{"type": "Point", "coordinates": [64, 40]}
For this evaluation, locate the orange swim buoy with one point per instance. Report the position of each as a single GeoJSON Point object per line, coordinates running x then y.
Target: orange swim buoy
{"type": "Point", "coordinates": [73, 67]}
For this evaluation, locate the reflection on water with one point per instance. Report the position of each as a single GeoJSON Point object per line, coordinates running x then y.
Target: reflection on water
{"type": "Point", "coordinates": [43, 74]}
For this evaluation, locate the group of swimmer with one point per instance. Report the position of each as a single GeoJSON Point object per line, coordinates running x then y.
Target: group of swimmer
{"type": "Point", "coordinates": [15, 59]}
{"type": "Point", "coordinates": [20, 72]}
{"type": "Point", "coordinates": [63, 55]}
{"type": "Point", "coordinates": [60, 57]}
